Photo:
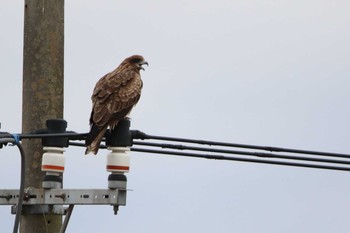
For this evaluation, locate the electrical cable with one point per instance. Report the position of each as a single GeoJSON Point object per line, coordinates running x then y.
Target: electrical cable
{"type": "Point", "coordinates": [21, 189]}
{"type": "Point", "coordinates": [143, 136]}
{"type": "Point", "coordinates": [71, 135]}
{"type": "Point", "coordinates": [246, 146]}
{"type": "Point", "coordinates": [246, 153]}
{"type": "Point", "coordinates": [229, 158]}
{"type": "Point", "coordinates": [221, 157]}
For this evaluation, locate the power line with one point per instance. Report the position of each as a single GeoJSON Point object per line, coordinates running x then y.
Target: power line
{"type": "Point", "coordinates": [246, 153]}
{"type": "Point", "coordinates": [69, 134]}
{"type": "Point", "coordinates": [221, 157]}
{"type": "Point", "coordinates": [246, 146]}
{"type": "Point", "coordinates": [136, 134]}
{"type": "Point", "coordinates": [263, 157]}
{"type": "Point", "coordinates": [231, 158]}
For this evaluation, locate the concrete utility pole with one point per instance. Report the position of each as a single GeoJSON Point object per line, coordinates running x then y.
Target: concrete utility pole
{"type": "Point", "coordinates": [42, 93]}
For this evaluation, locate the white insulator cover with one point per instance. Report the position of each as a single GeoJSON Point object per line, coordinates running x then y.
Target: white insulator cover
{"type": "Point", "coordinates": [118, 160]}
{"type": "Point", "coordinates": [53, 159]}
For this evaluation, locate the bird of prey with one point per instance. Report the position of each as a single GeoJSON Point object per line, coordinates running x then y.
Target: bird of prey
{"type": "Point", "coordinates": [114, 96]}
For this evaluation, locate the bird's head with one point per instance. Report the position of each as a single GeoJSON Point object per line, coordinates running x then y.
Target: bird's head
{"type": "Point", "coordinates": [136, 61]}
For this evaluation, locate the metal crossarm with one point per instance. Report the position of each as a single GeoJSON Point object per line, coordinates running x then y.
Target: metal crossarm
{"type": "Point", "coordinates": [65, 197]}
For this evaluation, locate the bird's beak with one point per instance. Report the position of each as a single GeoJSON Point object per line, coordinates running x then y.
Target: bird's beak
{"type": "Point", "coordinates": [143, 63]}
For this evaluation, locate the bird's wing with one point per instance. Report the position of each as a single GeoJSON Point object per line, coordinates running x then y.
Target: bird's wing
{"type": "Point", "coordinates": [114, 96]}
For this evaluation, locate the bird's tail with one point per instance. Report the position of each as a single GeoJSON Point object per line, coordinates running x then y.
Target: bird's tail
{"type": "Point", "coordinates": [94, 139]}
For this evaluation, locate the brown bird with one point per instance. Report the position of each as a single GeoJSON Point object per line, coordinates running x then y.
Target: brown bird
{"type": "Point", "coordinates": [114, 96]}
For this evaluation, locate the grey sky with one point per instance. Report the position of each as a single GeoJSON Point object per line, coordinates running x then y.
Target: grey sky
{"type": "Point", "coordinates": [258, 72]}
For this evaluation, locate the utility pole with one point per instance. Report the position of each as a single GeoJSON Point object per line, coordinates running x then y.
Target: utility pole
{"type": "Point", "coordinates": [42, 93]}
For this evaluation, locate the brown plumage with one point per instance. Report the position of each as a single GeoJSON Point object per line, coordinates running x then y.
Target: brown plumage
{"type": "Point", "coordinates": [114, 96]}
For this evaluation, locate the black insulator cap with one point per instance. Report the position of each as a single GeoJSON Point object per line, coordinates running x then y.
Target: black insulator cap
{"type": "Point", "coordinates": [120, 136]}
{"type": "Point", "coordinates": [56, 126]}
{"type": "Point", "coordinates": [117, 177]}
{"type": "Point", "coordinates": [53, 178]}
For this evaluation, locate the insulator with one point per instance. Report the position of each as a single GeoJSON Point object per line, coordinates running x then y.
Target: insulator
{"type": "Point", "coordinates": [53, 160]}
{"type": "Point", "coordinates": [118, 160]}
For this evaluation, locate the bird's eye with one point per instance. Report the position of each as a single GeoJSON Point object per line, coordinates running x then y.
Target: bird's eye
{"type": "Point", "coordinates": [135, 60]}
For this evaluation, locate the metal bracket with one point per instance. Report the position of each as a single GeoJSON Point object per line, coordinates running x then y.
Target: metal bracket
{"type": "Point", "coordinates": [52, 200]}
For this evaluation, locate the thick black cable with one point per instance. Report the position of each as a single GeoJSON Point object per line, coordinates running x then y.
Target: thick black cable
{"type": "Point", "coordinates": [140, 135]}
{"type": "Point", "coordinates": [221, 157]}
{"type": "Point", "coordinates": [246, 153]}
{"type": "Point", "coordinates": [21, 189]}
{"type": "Point", "coordinates": [246, 146]}
{"type": "Point", "coordinates": [143, 136]}
{"type": "Point", "coordinates": [70, 135]}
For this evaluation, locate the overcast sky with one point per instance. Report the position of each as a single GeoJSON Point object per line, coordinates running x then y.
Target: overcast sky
{"type": "Point", "coordinates": [245, 71]}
